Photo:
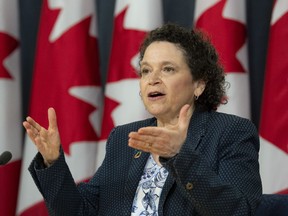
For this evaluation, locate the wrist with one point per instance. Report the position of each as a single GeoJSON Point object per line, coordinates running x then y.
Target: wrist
{"type": "Point", "coordinates": [48, 163]}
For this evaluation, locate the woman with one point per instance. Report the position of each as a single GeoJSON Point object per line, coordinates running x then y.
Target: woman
{"type": "Point", "coordinates": [186, 160]}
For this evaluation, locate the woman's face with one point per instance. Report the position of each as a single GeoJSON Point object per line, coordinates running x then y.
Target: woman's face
{"type": "Point", "coordinates": [166, 82]}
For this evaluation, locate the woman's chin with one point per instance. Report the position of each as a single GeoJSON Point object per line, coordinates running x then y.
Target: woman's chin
{"type": "Point", "coordinates": [158, 113]}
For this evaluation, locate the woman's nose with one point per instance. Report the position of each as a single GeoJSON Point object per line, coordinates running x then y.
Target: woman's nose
{"type": "Point", "coordinates": [154, 78]}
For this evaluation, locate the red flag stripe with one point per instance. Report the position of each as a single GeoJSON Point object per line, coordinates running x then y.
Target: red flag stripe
{"type": "Point", "coordinates": [66, 77]}
{"type": "Point", "coordinates": [10, 105]}
{"type": "Point", "coordinates": [274, 114]}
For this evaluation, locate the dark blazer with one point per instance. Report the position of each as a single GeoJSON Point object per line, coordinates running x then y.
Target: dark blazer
{"type": "Point", "coordinates": [215, 173]}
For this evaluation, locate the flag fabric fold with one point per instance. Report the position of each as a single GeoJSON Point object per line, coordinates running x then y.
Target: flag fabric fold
{"type": "Point", "coordinates": [274, 114]}
{"type": "Point", "coordinates": [224, 22]}
{"type": "Point", "coordinates": [10, 105]}
{"type": "Point", "coordinates": [66, 77]}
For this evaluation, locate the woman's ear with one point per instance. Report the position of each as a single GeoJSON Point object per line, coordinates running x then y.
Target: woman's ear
{"type": "Point", "coordinates": [200, 87]}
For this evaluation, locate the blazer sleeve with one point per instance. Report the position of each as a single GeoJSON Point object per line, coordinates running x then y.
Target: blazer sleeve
{"type": "Point", "coordinates": [229, 185]}
{"type": "Point", "coordinates": [57, 186]}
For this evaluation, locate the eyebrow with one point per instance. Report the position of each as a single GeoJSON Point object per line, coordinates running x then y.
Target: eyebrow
{"type": "Point", "coordinates": [163, 63]}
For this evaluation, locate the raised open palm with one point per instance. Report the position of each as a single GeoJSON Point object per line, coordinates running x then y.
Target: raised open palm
{"type": "Point", "coordinates": [47, 141]}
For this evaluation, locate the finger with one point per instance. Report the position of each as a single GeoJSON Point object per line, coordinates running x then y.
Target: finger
{"type": "Point", "coordinates": [151, 131]}
{"type": "Point", "coordinates": [31, 134]}
{"type": "Point", "coordinates": [33, 123]}
{"type": "Point", "coordinates": [137, 136]}
{"type": "Point", "coordinates": [146, 137]}
{"type": "Point", "coordinates": [30, 128]}
{"type": "Point", "coordinates": [52, 119]}
{"type": "Point", "coordinates": [139, 145]}
{"type": "Point", "coordinates": [184, 117]}
{"type": "Point", "coordinates": [148, 147]}
{"type": "Point", "coordinates": [143, 142]}
{"type": "Point", "coordinates": [26, 125]}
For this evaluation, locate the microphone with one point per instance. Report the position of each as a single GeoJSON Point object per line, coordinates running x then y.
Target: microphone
{"type": "Point", "coordinates": [5, 157]}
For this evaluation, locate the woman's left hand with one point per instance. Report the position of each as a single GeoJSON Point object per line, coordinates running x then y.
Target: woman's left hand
{"type": "Point", "coordinates": [163, 141]}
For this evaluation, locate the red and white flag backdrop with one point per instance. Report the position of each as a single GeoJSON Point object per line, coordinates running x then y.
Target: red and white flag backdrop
{"type": "Point", "coordinates": [224, 21]}
{"type": "Point", "coordinates": [10, 105]}
{"type": "Point", "coordinates": [274, 115]}
{"type": "Point", "coordinates": [66, 77]}
{"type": "Point", "coordinates": [122, 103]}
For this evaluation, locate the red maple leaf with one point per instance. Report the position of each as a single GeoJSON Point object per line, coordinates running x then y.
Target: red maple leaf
{"type": "Point", "coordinates": [70, 61]}
{"type": "Point", "coordinates": [227, 35]}
{"type": "Point", "coordinates": [125, 46]}
{"type": "Point", "coordinates": [8, 45]}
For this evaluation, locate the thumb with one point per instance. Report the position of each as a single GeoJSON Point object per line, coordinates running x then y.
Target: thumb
{"type": "Point", "coordinates": [184, 117]}
{"type": "Point", "coordinates": [52, 119]}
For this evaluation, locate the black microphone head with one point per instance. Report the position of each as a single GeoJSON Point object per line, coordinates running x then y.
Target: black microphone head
{"type": "Point", "coordinates": [5, 157]}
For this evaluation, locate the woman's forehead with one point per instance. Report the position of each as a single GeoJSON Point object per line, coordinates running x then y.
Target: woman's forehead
{"type": "Point", "coordinates": [164, 50]}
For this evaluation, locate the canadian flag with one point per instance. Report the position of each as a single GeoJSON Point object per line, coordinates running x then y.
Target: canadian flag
{"type": "Point", "coordinates": [133, 19]}
{"type": "Point", "coordinates": [224, 21]}
{"type": "Point", "coordinates": [274, 115]}
{"type": "Point", "coordinates": [10, 105]}
{"type": "Point", "coordinates": [66, 77]}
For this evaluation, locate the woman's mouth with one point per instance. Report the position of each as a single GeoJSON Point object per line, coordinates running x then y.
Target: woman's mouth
{"type": "Point", "coordinates": [155, 95]}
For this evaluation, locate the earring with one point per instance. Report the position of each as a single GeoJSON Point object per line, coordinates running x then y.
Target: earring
{"type": "Point", "coordinates": [140, 94]}
{"type": "Point", "coordinates": [196, 97]}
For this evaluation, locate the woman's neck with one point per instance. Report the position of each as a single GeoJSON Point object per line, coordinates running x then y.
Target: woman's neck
{"type": "Point", "coordinates": [172, 121]}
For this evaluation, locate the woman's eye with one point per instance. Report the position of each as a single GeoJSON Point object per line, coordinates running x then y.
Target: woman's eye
{"type": "Point", "coordinates": [169, 69]}
{"type": "Point", "coordinates": [144, 71]}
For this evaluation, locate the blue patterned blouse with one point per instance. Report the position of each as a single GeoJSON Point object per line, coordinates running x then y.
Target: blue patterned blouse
{"type": "Point", "coordinates": [150, 186]}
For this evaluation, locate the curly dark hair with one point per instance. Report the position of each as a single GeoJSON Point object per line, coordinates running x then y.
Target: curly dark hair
{"type": "Point", "coordinates": [201, 58]}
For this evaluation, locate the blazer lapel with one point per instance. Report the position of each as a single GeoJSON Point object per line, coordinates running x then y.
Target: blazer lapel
{"type": "Point", "coordinates": [196, 129]}
{"type": "Point", "coordinates": [195, 132]}
{"type": "Point", "coordinates": [138, 162]}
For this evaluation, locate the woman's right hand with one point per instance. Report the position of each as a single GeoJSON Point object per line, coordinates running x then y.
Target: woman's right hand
{"type": "Point", "coordinates": [46, 141]}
